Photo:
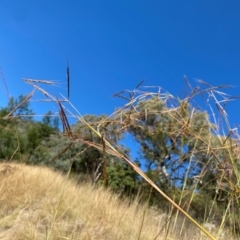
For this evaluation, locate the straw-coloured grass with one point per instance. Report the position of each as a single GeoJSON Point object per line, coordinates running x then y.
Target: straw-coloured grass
{"type": "Point", "coordinates": [37, 203]}
{"type": "Point", "coordinates": [219, 151]}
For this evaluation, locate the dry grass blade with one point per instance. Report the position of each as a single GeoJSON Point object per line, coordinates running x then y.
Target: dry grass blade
{"type": "Point", "coordinates": [20, 104]}
{"type": "Point", "coordinates": [5, 84]}
{"type": "Point", "coordinates": [151, 183]}
{"type": "Point", "coordinates": [66, 126]}
{"type": "Point", "coordinates": [112, 150]}
{"type": "Point", "coordinates": [96, 145]}
{"type": "Point", "coordinates": [140, 84]}
{"type": "Point", "coordinates": [104, 161]}
{"type": "Point", "coordinates": [121, 96]}
{"type": "Point", "coordinates": [47, 100]}
{"type": "Point", "coordinates": [128, 115]}
{"type": "Point", "coordinates": [62, 152]}
{"type": "Point", "coordinates": [68, 79]}
{"type": "Point", "coordinates": [45, 93]}
{"type": "Point", "coordinates": [161, 230]}
{"type": "Point", "coordinates": [204, 83]}
{"type": "Point", "coordinates": [117, 94]}
{"type": "Point", "coordinates": [38, 81]}
{"type": "Point", "coordinates": [187, 82]}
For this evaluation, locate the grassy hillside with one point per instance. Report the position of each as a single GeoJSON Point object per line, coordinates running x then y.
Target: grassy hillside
{"type": "Point", "coordinates": [37, 203]}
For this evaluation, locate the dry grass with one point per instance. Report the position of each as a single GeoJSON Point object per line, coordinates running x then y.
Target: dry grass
{"type": "Point", "coordinates": [58, 209]}
{"type": "Point", "coordinates": [37, 203]}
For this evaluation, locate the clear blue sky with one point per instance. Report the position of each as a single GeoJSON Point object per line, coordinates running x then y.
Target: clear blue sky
{"type": "Point", "coordinates": [112, 45]}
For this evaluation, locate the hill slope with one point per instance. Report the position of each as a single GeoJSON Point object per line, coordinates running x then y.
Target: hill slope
{"type": "Point", "coordinates": [37, 203]}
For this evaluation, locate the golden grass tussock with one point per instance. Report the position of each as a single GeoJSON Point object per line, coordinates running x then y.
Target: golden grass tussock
{"type": "Point", "coordinates": [38, 203]}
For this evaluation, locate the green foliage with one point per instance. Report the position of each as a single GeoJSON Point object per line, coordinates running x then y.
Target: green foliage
{"type": "Point", "coordinates": [20, 135]}
{"type": "Point", "coordinates": [34, 138]}
{"type": "Point", "coordinates": [22, 107]}
{"type": "Point", "coordinates": [170, 137]}
{"type": "Point", "coordinates": [12, 145]}
{"type": "Point", "coordinates": [122, 179]}
{"type": "Point", "coordinates": [175, 136]}
{"type": "Point", "coordinates": [50, 121]}
{"type": "Point", "coordinates": [4, 112]}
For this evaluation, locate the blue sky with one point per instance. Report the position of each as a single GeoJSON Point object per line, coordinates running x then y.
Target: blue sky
{"type": "Point", "coordinates": [113, 45]}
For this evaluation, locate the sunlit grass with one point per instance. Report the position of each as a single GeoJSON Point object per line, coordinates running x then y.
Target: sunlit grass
{"type": "Point", "coordinates": [32, 208]}
{"type": "Point", "coordinates": [103, 215]}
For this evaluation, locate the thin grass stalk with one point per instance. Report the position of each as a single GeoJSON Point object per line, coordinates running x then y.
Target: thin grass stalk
{"type": "Point", "coordinates": [104, 161]}
{"type": "Point", "coordinates": [165, 226]}
{"type": "Point", "coordinates": [59, 203]}
{"type": "Point", "coordinates": [109, 148]}
{"type": "Point", "coordinates": [116, 153]}
{"type": "Point", "coordinates": [183, 188]}
{"type": "Point", "coordinates": [141, 225]}
{"type": "Point", "coordinates": [148, 180]}
{"type": "Point", "coordinates": [144, 214]}
{"type": "Point", "coordinates": [139, 171]}
{"type": "Point", "coordinates": [20, 104]}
